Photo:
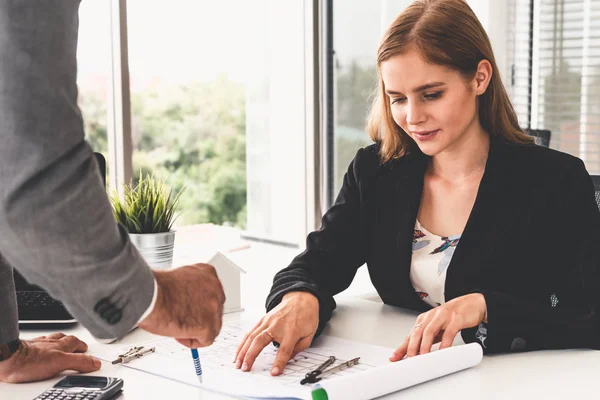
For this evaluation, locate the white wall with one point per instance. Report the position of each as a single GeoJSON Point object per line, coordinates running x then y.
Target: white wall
{"type": "Point", "coordinates": [493, 15]}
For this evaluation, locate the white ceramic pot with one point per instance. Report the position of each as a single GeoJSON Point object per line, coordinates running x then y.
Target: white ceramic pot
{"type": "Point", "coordinates": [156, 248]}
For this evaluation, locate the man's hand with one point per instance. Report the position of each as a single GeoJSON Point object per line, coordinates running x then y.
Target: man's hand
{"type": "Point", "coordinates": [189, 305]}
{"type": "Point", "coordinates": [45, 357]}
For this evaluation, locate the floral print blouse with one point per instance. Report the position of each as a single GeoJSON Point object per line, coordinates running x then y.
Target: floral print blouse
{"type": "Point", "coordinates": [431, 255]}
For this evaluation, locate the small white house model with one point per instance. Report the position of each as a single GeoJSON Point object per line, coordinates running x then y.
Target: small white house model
{"type": "Point", "coordinates": [229, 273]}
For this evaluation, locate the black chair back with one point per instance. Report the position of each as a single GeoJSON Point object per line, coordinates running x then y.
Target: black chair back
{"type": "Point", "coordinates": [102, 165]}
{"type": "Point", "coordinates": [596, 180]}
{"type": "Point", "coordinates": [541, 136]}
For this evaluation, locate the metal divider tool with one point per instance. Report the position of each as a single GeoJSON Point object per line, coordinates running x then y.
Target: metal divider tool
{"type": "Point", "coordinates": [320, 372]}
{"type": "Point", "coordinates": [312, 375]}
{"type": "Point", "coordinates": [132, 354]}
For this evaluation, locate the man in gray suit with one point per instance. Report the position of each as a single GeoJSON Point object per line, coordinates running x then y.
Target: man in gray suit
{"type": "Point", "coordinates": [56, 224]}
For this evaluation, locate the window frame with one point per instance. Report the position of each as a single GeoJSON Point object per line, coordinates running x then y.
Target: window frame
{"type": "Point", "coordinates": [120, 148]}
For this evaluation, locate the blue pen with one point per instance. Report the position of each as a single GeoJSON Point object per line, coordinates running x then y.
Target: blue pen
{"type": "Point", "coordinates": [197, 365]}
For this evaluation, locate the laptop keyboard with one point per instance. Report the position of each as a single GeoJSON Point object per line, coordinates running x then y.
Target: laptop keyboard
{"type": "Point", "coordinates": [40, 306]}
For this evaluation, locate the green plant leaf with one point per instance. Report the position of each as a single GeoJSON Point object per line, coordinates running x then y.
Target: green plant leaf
{"type": "Point", "coordinates": [148, 207]}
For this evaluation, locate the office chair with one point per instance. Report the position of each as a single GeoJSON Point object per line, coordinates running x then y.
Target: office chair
{"type": "Point", "coordinates": [541, 136]}
{"type": "Point", "coordinates": [102, 165]}
{"type": "Point", "coordinates": [596, 180]}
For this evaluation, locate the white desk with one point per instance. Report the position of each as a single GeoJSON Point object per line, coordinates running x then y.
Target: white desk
{"type": "Point", "coordinates": [537, 375]}
{"type": "Point", "coordinates": [571, 374]}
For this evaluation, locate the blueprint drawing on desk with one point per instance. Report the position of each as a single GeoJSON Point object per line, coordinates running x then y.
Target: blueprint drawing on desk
{"type": "Point", "coordinates": [172, 360]}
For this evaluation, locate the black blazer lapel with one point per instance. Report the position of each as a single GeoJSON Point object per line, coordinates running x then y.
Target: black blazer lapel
{"type": "Point", "coordinates": [472, 263]}
{"type": "Point", "coordinates": [399, 191]}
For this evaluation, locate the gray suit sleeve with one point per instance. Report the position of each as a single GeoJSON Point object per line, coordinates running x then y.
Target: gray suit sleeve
{"type": "Point", "coordinates": [9, 328]}
{"type": "Point", "coordinates": [56, 224]}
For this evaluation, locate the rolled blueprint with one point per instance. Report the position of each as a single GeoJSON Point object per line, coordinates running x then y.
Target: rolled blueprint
{"type": "Point", "coordinates": [403, 374]}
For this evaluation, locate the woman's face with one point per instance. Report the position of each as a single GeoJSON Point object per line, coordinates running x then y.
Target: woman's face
{"type": "Point", "coordinates": [434, 105]}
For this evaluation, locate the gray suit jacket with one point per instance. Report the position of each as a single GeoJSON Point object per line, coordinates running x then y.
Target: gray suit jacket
{"type": "Point", "coordinates": [56, 224]}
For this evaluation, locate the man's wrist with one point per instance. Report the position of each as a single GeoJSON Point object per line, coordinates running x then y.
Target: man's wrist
{"type": "Point", "coordinates": [8, 349]}
{"type": "Point", "coordinates": [159, 304]}
{"type": "Point", "coordinates": [152, 303]}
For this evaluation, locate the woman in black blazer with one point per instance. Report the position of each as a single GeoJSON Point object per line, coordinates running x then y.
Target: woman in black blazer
{"type": "Point", "coordinates": [449, 153]}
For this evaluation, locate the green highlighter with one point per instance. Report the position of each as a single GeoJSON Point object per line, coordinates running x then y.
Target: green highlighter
{"type": "Point", "coordinates": [319, 394]}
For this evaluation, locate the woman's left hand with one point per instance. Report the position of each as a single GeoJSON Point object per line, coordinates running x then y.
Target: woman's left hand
{"type": "Point", "coordinates": [443, 323]}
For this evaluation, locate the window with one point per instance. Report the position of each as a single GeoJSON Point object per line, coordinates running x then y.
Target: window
{"type": "Point", "coordinates": [556, 73]}
{"type": "Point", "coordinates": [567, 77]}
{"type": "Point", "coordinates": [519, 48]}
{"type": "Point", "coordinates": [354, 76]}
{"type": "Point", "coordinates": [188, 108]}
{"type": "Point", "coordinates": [93, 76]}
{"type": "Point", "coordinates": [218, 108]}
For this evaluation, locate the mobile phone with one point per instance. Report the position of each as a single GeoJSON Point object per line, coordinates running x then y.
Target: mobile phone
{"type": "Point", "coordinates": [82, 387]}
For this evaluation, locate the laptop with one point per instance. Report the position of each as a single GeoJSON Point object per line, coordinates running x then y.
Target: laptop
{"type": "Point", "coordinates": [36, 307]}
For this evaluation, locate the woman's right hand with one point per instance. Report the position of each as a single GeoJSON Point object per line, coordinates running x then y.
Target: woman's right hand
{"type": "Point", "coordinates": [293, 324]}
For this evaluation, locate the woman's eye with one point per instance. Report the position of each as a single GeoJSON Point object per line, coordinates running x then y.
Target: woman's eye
{"type": "Point", "coordinates": [399, 100]}
{"type": "Point", "coordinates": [432, 96]}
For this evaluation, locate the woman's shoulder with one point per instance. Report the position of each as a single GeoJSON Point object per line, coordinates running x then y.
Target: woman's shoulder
{"type": "Point", "coordinates": [366, 163]}
{"type": "Point", "coordinates": [366, 160]}
{"type": "Point", "coordinates": [370, 152]}
{"type": "Point", "coordinates": [545, 176]}
{"type": "Point", "coordinates": [369, 159]}
{"type": "Point", "coordinates": [536, 160]}
{"type": "Point", "coordinates": [368, 166]}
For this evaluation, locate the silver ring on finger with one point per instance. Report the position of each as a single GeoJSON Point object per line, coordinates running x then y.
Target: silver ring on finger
{"type": "Point", "coordinates": [269, 334]}
{"type": "Point", "coordinates": [419, 325]}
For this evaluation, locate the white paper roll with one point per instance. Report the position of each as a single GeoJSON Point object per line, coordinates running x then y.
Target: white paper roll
{"type": "Point", "coordinates": [403, 374]}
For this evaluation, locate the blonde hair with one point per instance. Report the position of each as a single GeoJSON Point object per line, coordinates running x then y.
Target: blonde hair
{"type": "Point", "coordinates": [446, 33]}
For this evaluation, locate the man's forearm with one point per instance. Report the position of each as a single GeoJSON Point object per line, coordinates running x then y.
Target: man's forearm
{"type": "Point", "coordinates": [56, 223]}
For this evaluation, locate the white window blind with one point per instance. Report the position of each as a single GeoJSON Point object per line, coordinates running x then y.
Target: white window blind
{"type": "Point", "coordinates": [519, 48]}
{"type": "Point", "coordinates": [567, 77]}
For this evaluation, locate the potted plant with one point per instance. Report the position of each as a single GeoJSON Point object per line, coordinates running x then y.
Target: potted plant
{"type": "Point", "coordinates": [148, 211]}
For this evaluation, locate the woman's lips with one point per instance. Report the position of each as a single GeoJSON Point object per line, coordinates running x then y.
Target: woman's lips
{"type": "Point", "coordinates": [425, 135]}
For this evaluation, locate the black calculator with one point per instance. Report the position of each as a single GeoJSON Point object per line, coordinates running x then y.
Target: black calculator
{"type": "Point", "coordinates": [80, 387]}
